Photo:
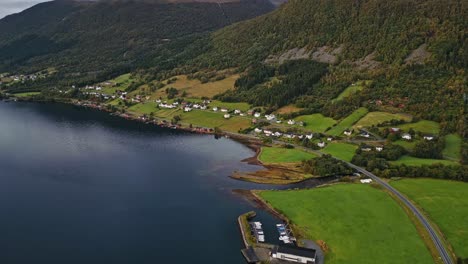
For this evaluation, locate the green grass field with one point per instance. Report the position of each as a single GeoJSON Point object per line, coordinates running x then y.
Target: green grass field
{"type": "Point", "coordinates": [348, 122]}
{"type": "Point", "coordinates": [408, 145]}
{"type": "Point", "coordinates": [452, 150]}
{"type": "Point", "coordinates": [316, 122]}
{"type": "Point", "coordinates": [145, 108]}
{"type": "Point", "coordinates": [446, 204]}
{"type": "Point", "coordinates": [28, 94]}
{"type": "Point", "coordinates": [375, 118]}
{"type": "Point", "coordinates": [359, 224]}
{"type": "Point", "coordinates": [231, 106]}
{"type": "Point", "coordinates": [343, 151]}
{"type": "Point", "coordinates": [352, 89]}
{"type": "Point", "coordinates": [212, 120]}
{"type": "Point", "coordinates": [423, 126]}
{"type": "Point", "coordinates": [413, 161]}
{"type": "Point", "coordinates": [283, 155]}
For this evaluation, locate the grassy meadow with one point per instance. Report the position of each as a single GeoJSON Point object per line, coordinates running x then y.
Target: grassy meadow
{"type": "Point", "coordinates": [375, 118]}
{"type": "Point", "coordinates": [358, 223]}
{"type": "Point", "coordinates": [453, 144]}
{"type": "Point", "coordinates": [343, 151]}
{"type": "Point", "coordinates": [283, 155]}
{"type": "Point", "coordinates": [446, 203]}
{"type": "Point", "coordinates": [352, 89]}
{"type": "Point", "coordinates": [423, 126]}
{"type": "Point", "coordinates": [348, 122]}
{"type": "Point", "coordinates": [195, 88]}
{"type": "Point", "coordinates": [316, 122]}
{"type": "Point", "coordinates": [413, 161]}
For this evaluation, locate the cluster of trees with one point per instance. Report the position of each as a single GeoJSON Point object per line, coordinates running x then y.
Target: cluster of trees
{"type": "Point", "coordinates": [326, 165]}
{"type": "Point", "coordinates": [433, 171]}
{"type": "Point", "coordinates": [374, 160]}
{"type": "Point", "coordinates": [295, 78]}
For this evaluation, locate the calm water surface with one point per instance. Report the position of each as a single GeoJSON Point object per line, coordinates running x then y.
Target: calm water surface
{"type": "Point", "coordinates": [79, 186]}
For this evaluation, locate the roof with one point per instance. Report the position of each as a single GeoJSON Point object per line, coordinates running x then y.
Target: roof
{"type": "Point", "coordinates": [297, 251]}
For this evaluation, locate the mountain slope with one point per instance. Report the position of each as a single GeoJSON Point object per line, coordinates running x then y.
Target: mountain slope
{"type": "Point", "coordinates": [102, 36]}
{"type": "Point", "coordinates": [391, 29]}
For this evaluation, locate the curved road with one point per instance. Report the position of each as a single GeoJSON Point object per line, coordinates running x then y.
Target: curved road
{"type": "Point", "coordinates": [444, 254]}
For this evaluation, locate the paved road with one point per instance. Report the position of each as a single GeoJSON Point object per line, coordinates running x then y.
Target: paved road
{"type": "Point", "coordinates": [444, 254]}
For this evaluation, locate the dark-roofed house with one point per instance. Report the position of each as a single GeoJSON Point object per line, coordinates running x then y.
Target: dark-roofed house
{"type": "Point", "coordinates": [296, 254]}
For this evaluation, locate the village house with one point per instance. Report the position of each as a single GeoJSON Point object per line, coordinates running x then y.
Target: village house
{"type": "Point", "coordinates": [321, 144]}
{"type": "Point", "coordinates": [237, 111]}
{"type": "Point", "coordinates": [224, 110]}
{"type": "Point", "coordinates": [257, 115]}
{"type": "Point", "coordinates": [428, 138]}
{"type": "Point", "coordinates": [267, 132]}
{"type": "Point", "coordinates": [291, 122]}
{"type": "Point", "coordinates": [329, 139]}
{"type": "Point", "coordinates": [366, 181]}
{"type": "Point", "coordinates": [278, 121]}
{"type": "Point", "coordinates": [203, 107]}
{"type": "Point", "coordinates": [310, 136]}
{"type": "Point", "coordinates": [348, 133]}
{"type": "Point", "coordinates": [406, 136]}
{"type": "Point", "coordinates": [187, 109]}
{"type": "Point", "coordinates": [227, 116]}
{"type": "Point", "coordinates": [196, 106]}
{"type": "Point", "coordinates": [395, 129]}
{"type": "Point", "coordinates": [278, 134]}
{"type": "Point", "coordinates": [258, 130]}
{"type": "Point", "coordinates": [366, 148]}
{"type": "Point", "coordinates": [379, 148]}
{"type": "Point", "coordinates": [270, 117]}
{"type": "Point", "coordinates": [215, 109]}
{"type": "Point", "coordinates": [294, 254]}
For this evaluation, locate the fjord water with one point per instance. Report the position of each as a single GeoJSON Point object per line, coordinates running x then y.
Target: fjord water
{"type": "Point", "coordinates": [80, 186]}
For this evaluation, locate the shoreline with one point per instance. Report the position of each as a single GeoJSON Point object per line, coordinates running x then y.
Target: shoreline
{"type": "Point", "coordinates": [275, 174]}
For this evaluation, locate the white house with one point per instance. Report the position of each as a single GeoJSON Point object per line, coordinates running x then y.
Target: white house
{"type": "Point", "coordinates": [267, 132]}
{"type": "Point", "coordinates": [215, 109]}
{"type": "Point", "coordinates": [258, 130]}
{"type": "Point", "coordinates": [310, 136]}
{"type": "Point", "coordinates": [278, 121]}
{"type": "Point", "coordinates": [196, 106]}
{"type": "Point", "coordinates": [379, 148]}
{"type": "Point", "coordinates": [203, 107]}
{"type": "Point", "coordinates": [257, 115]}
{"type": "Point", "coordinates": [366, 149]}
{"type": "Point", "coordinates": [291, 122]}
{"type": "Point", "coordinates": [406, 136]}
{"type": "Point", "coordinates": [224, 110]}
{"type": "Point", "coordinates": [348, 133]}
{"type": "Point", "coordinates": [366, 180]}
{"type": "Point", "coordinates": [227, 116]}
{"type": "Point", "coordinates": [329, 139]}
{"type": "Point", "coordinates": [237, 111]}
{"type": "Point", "coordinates": [428, 138]}
{"type": "Point", "coordinates": [321, 144]}
{"type": "Point", "coordinates": [294, 254]}
{"type": "Point", "coordinates": [187, 109]}
{"type": "Point", "coordinates": [270, 117]}
{"type": "Point", "coordinates": [278, 134]}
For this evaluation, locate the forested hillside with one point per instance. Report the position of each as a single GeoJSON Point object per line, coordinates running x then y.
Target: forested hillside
{"type": "Point", "coordinates": [415, 53]}
{"type": "Point", "coordinates": [98, 38]}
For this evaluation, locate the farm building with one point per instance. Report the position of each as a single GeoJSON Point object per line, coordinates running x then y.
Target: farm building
{"type": "Point", "coordinates": [298, 255]}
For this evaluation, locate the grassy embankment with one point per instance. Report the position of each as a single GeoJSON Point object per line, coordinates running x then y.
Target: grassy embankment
{"type": "Point", "coordinates": [347, 122]}
{"type": "Point", "coordinates": [445, 203]}
{"type": "Point", "coordinates": [358, 223]}
{"type": "Point", "coordinates": [27, 94]}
